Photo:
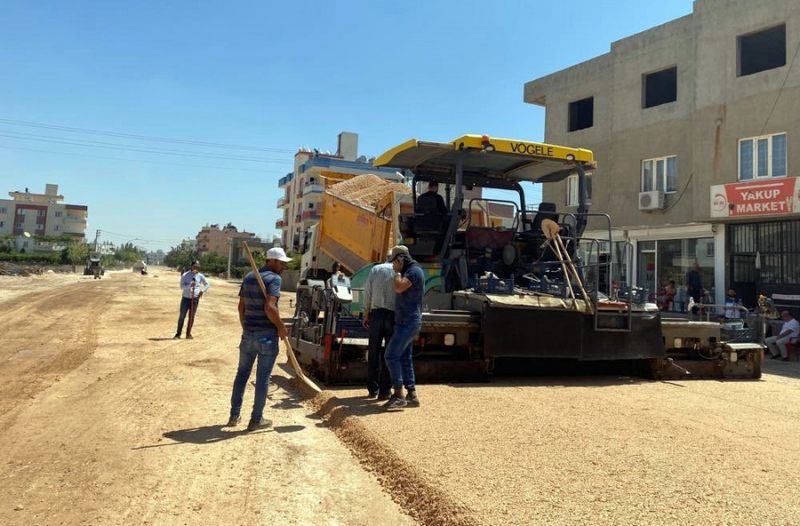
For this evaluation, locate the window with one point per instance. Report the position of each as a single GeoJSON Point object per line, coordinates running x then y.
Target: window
{"type": "Point", "coordinates": [58, 227]}
{"type": "Point", "coordinates": [660, 87]}
{"type": "Point", "coordinates": [2, 224]}
{"type": "Point", "coordinates": [310, 206]}
{"type": "Point", "coordinates": [763, 156]}
{"type": "Point", "coordinates": [660, 174]}
{"type": "Point", "coordinates": [572, 190]}
{"type": "Point", "coordinates": [3, 210]}
{"type": "Point", "coordinates": [573, 197]}
{"type": "Point", "coordinates": [762, 50]}
{"type": "Point", "coordinates": [581, 114]}
{"type": "Point", "coordinates": [58, 214]}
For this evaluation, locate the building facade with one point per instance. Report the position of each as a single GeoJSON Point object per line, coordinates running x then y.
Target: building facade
{"type": "Point", "coordinates": [695, 125]}
{"type": "Point", "coordinates": [41, 215]}
{"type": "Point", "coordinates": [303, 187]}
{"type": "Point", "coordinates": [215, 240]}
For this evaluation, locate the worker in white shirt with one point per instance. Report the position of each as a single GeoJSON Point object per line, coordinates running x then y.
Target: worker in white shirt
{"type": "Point", "coordinates": [193, 285]}
{"type": "Point", "coordinates": [790, 330]}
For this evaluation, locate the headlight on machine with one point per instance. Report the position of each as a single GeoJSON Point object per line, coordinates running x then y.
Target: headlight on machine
{"type": "Point", "coordinates": [449, 340]}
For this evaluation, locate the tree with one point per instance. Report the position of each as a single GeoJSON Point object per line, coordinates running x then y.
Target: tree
{"type": "Point", "coordinates": [180, 257]}
{"type": "Point", "coordinates": [76, 253]}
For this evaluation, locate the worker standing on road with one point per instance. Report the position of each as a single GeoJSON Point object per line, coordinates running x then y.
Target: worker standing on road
{"type": "Point", "coordinates": [379, 296]}
{"type": "Point", "coordinates": [409, 284]}
{"type": "Point", "coordinates": [262, 328]}
{"type": "Point", "coordinates": [193, 285]}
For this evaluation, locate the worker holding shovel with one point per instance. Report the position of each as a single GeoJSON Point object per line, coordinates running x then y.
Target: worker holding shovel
{"type": "Point", "coordinates": [193, 285]}
{"type": "Point", "coordinates": [262, 329]}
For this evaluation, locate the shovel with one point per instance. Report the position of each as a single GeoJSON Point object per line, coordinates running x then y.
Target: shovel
{"type": "Point", "coordinates": [289, 351]}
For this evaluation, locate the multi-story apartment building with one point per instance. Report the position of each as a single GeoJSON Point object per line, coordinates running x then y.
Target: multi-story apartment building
{"type": "Point", "coordinates": [695, 125]}
{"type": "Point", "coordinates": [41, 215]}
{"type": "Point", "coordinates": [215, 240]}
{"type": "Point", "coordinates": [303, 187]}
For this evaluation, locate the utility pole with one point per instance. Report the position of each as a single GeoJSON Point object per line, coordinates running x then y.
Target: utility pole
{"type": "Point", "coordinates": [230, 255]}
{"type": "Point", "coordinates": [96, 239]}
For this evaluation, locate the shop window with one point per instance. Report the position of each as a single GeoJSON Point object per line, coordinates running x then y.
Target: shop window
{"type": "Point", "coordinates": [660, 174]}
{"type": "Point", "coordinates": [660, 87]}
{"type": "Point", "coordinates": [581, 114]}
{"type": "Point", "coordinates": [662, 261]}
{"type": "Point", "coordinates": [573, 195]}
{"type": "Point", "coordinates": [762, 50]}
{"type": "Point", "coordinates": [763, 156]}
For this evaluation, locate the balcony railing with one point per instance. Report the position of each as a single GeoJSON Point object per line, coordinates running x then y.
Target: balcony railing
{"type": "Point", "coordinates": [310, 215]}
{"type": "Point", "coordinates": [280, 223]}
{"type": "Point", "coordinates": [313, 188]}
{"type": "Point", "coordinates": [282, 202]}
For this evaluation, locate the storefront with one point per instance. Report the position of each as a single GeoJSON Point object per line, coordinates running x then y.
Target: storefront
{"type": "Point", "coordinates": [763, 231]}
{"type": "Point", "coordinates": [652, 257]}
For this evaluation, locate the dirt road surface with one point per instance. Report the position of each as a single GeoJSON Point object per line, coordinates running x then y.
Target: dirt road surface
{"type": "Point", "coordinates": [104, 419]}
{"type": "Point", "coordinates": [611, 450]}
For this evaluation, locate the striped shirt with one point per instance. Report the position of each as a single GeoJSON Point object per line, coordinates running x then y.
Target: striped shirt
{"type": "Point", "coordinates": [379, 289]}
{"type": "Point", "coordinates": [255, 318]}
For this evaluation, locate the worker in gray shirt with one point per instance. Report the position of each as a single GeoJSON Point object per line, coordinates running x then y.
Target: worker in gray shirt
{"type": "Point", "coordinates": [379, 319]}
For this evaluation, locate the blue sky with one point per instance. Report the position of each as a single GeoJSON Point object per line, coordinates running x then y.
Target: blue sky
{"type": "Point", "coordinates": [272, 76]}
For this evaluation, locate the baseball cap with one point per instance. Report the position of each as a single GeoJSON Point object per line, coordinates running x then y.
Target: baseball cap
{"type": "Point", "coordinates": [397, 251]}
{"type": "Point", "coordinates": [279, 254]}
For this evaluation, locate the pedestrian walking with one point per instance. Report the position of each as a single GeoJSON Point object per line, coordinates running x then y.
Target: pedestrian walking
{"type": "Point", "coordinates": [409, 286]}
{"type": "Point", "coordinates": [262, 329]}
{"type": "Point", "coordinates": [193, 286]}
{"type": "Point", "coordinates": [379, 297]}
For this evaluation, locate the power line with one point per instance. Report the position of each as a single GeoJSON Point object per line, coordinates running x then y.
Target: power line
{"type": "Point", "coordinates": [113, 146]}
{"type": "Point", "coordinates": [226, 168]}
{"type": "Point", "coordinates": [780, 90]}
{"type": "Point", "coordinates": [194, 142]}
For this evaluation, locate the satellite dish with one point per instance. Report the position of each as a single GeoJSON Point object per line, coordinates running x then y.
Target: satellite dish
{"type": "Point", "coordinates": [362, 159]}
{"type": "Point", "coordinates": [26, 234]}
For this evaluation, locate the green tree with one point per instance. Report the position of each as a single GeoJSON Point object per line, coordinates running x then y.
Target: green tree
{"type": "Point", "coordinates": [76, 253]}
{"type": "Point", "coordinates": [213, 264]}
{"type": "Point", "coordinates": [180, 257]}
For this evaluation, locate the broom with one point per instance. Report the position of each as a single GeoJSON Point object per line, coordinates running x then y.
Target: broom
{"type": "Point", "coordinates": [289, 351]}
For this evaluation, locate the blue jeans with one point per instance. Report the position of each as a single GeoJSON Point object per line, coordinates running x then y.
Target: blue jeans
{"type": "Point", "coordinates": [381, 326]}
{"type": "Point", "coordinates": [264, 347]}
{"type": "Point", "coordinates": [398, 355]}
{"type": "Point", "coordinates": [185, 303]}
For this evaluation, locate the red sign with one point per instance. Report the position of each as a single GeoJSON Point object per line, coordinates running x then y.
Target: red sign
{"type": "Point", "coordinates": [776, 196]}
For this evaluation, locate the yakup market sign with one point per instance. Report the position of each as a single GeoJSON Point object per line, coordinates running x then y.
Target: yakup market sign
{"type": "Point", "coordinates": [777, 196]}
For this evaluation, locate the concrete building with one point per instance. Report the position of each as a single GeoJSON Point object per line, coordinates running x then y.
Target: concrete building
{"type": "Point", "coordinates": [41, 215]}
{"type": "Point", "coordinates": [695, 127]}
{"type": "Point", "coordinates": [215, 240]}
{"type": "Point", "coordinates": [303, 187]}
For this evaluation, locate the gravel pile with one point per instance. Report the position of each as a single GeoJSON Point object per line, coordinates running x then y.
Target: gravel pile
{"type": "Point", "coordinates": [415, 494]}
{"type": "Point", "coordinates": [366, 190]}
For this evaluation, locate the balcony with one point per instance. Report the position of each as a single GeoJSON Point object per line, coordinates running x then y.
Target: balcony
{"type": "Point", "coordinates": [313, 188]}
{"type": "Point", "coordinates": [311, 215]}
{"type": "Point", "coordinates": [280, 223]}
{"type": "Point", "coordinates": [282, 202]}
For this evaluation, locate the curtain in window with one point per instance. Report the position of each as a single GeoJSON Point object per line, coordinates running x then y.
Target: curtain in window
{"type": "Point", "coordinates": [745, 160]}
{"type": "Point", "coordinates": [647, 176]}
{"type": "Point", "coordinates": [779, 155]}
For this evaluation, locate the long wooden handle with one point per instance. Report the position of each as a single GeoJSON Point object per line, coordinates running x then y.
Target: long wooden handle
{"type": "Point", "coordinates": [289, 351]}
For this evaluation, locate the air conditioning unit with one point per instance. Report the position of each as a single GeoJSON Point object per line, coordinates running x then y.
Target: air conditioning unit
{"type": "Point", "coordinates": [651, 200]}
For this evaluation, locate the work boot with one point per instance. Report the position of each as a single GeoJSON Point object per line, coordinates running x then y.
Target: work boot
{"type": "Point", "coordinates": [176, 337]}
{"type": "Point", "coordinates": [233, 421]}
{"type": "Point", "coordinates": [189, 337]}
{"type": "Point", "coordinates": [259, 424]}
{"type": "Point", "coordinates": [383, 396]}
{"type": "Point", "coordinates": [411, 398]}
{"type": "Point", "coordinates": [372, 395]}
{"type": "Point", "coordinates": [395, 402]}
